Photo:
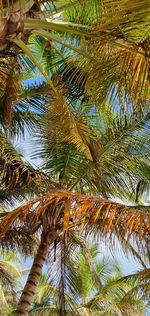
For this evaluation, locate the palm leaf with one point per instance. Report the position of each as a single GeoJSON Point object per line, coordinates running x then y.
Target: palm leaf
{"type": "Point", "coordinates": [119, 148]}
{"type": "Point", "coordinates": [131, 220]}
{"type": "Point", "coordinates": [5, 276]}
{"type": "Point", "coordinates": [20, 239]}
{"type": "Point", "coordinates": [115, 71]}
{"type": "Point", "coordinates": [142, 288]}
{"type": "Point", "coordinates": [16, 175]}
{"type": "Point", "coordinates": [69, 129]}
{"type": "Point", "coordinates": [109, 297]}
{"type": "Point", "coordinates": [10, 87]}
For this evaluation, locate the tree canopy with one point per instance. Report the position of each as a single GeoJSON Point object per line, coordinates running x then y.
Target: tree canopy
{"type": "Point", "coordinates": [75, 76]}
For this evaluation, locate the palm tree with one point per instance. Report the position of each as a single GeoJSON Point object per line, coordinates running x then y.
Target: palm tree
{"type": "Point", "coordinates": [37, 49]}
{"type": "Point", "coordinates": [89, 146]}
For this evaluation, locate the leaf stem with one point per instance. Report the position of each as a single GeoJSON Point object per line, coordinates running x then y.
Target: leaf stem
{"type": "Point", "coordinates": [58, 40]}
{"type": "Point", "coordinates": [72, 28]}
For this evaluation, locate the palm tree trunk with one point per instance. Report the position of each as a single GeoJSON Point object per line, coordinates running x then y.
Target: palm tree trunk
{"type": "Point", "coordinates": [33, 278]}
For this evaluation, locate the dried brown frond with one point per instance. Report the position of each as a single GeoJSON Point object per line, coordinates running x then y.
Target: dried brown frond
{"type": "Point", "coordinates": [63, 210]}
{"type": "Point", "coordinates": [144, 274]}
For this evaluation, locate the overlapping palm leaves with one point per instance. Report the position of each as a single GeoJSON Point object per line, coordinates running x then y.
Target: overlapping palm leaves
{"type": "Point", "coordinates": [117, 37]}
{"type": "Point", "coordinates": [16, 176]}
{"type": "Point", "coordinates": [97, 159]}
{"type": "Point", "coordinates": [101, 8]}
{"type": "Point", "coordinates": [61, 211]}
{"type": "Point", "coordinates": [11, 274]}
{"type": "Point", "coordinates": [124, 140]}
{"type": "Point", "coordinates": [92, 287]}
{"type": "Point", "coordinates": [72, 209]}
{"type": "Point", "coordinates": [143, 277]}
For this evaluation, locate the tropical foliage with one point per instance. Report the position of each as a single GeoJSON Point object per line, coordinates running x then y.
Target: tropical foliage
{"type": "Point", "coordinates": [98, 288]}
{"type": "Point", "coordinates": [75, 76]}
{"type": "Point", "coordinates": [11, 276]}
{"type": "Point", "coordinates": [93, 287]}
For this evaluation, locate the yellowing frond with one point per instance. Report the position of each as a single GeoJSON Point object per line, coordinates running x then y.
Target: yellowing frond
{"type": "Point", "coordinates": [76, 210]}
{"type": "Point", "coordinates": [120, 66]}
{"type": "Point", "coordinates": [63, 124]}
{"type": "Point", "coordinates": [129, 15]}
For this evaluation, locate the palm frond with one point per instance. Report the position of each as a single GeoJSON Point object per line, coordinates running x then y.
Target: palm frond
{"type": "Point", "coordinates": [119, 148]}
{"type": "Point", "coordinates": [76, 210]}
{"type": "Point", "coordinates": [20, 240]}
{"type": "Point", "coordinates": [142, 286]}
{"type": "Point", "coordinates": [115, 71]}
{"type": "Point", "coordinates": [143, 188]}
{"type": "Point", "coordinates": [62, 122]}
{"type": "Point", "coordinates": [124, 14]}
{"type": "Point", "coordinates": [79, 286]}
{"type": "Point", "coordinates": [120, 53]}
{"type": "Point", "coordinates": [5, 276]}
{"type": "Point", "coordinates": [16, 176]}
{"type": "Point", "coordinates": [10, 87]}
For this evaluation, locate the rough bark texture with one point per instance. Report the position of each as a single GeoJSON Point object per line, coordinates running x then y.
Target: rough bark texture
{"type": "Point", "coordinates": [33, 278]}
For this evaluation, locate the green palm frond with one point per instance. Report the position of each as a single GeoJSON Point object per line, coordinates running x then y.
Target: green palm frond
{"type": "Point", "coordinates": [9, 274]}
{"type": "Point", "coordinates": [18, 108]}
{"type": "Point", "coordinates": [76, 274]}
{"type": "Point", "coordinates": [107, 297]}
{"type": "Point", "coordinates": [119, 148]}
{"type": "Point", "coordinates": [48, 53]}
{"type": "Point", "coordinates": [142, 286]}
{"type": "Point", "coordinates": [75, 132]}
{"type": "Point", "coordinates": [119, 46]}
{"type": "Point", "coordinates": [129, 16]}
{"type": "Point", "coordinates": [85, 12]}
{"type": "Point", "coordinates": [74, 78]}
{"type": "Point", "coordinates": [121, 59]}
{"type": "Point", "coordinates": [113, 297]}
{"type": "Point", "coordinates": [143, 275]}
